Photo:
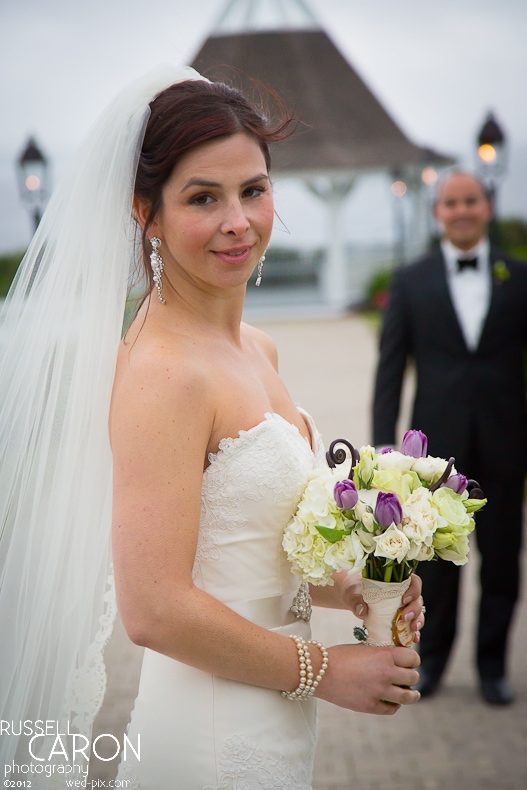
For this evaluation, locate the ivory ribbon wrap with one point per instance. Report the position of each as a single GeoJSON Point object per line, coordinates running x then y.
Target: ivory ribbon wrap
{"type": "Point", "coordinates": [384, 626]}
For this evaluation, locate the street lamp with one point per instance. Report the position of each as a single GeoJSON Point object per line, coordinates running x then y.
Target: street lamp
{"type": "Point", "coordinates": [492, 161]}
{"type": "Point", "coordinates": [32, 174]}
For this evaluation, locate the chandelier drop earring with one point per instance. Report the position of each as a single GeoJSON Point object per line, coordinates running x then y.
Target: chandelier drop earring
{"type": "Point", "coordinates": [260, 267]}
{"type": "Point", "coordinates": [156, 262]}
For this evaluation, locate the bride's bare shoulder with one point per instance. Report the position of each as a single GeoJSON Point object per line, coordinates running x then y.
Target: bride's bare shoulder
{"type": "Point", "coordinates": [263, 343]}
{"type": "Point", "coordinates": [159, 366]}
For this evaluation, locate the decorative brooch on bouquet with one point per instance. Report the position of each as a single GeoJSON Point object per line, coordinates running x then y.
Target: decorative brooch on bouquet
{"type": "Point", "coordinates": [394, 510]}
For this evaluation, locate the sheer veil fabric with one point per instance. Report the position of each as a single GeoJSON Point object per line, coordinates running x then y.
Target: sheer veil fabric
{"type": "Point", "coordinates": [60, 328]}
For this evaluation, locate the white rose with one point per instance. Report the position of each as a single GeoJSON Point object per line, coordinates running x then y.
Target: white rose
{"type": "Point", "coordinates": [420, 518]}
{"type": "Point", "coordinates": [392, 544]}
{"type": "Point", "coordinates": [395, 460]}
{"type": "Point", "coordinates": [347, 555]}
{"type": "Point", "coordinates": [429, 469]}
{"type": "Point", "coordinates": [420, 552]}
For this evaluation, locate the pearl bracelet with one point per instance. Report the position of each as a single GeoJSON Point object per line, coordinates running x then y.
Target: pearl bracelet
{"type": "Point", "coordinates": [325, 661]}
{"type": "Point", "coordinates": [308, 682]}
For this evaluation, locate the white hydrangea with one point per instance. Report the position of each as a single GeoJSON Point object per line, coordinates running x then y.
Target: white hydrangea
{"type": "Point", "coordinates": [306, 549]}
{"type": "Point", "coordinates": [304, 545]}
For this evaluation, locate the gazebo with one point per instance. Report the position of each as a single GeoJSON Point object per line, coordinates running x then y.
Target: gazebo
{"type": "Point", "coordinates": [346, 131]}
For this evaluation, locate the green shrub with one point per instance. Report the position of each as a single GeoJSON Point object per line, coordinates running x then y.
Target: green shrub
{"type": "Point", "coordinates": [8, 266]}
{"type": "Point", "coordinates": [513, 235]}
{"type": "Point", "coordinates": [377, 292]}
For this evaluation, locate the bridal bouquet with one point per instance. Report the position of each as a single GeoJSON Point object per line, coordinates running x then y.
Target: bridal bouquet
{"type": "Point", "coordinates": [396, 509]}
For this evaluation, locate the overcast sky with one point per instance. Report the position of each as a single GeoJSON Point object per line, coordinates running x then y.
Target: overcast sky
{"type": "Point", "coordinates": [438, 68]}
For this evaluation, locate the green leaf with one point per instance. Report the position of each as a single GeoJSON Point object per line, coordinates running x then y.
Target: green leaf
{"type": "Point", "coordinates": [333, 535]}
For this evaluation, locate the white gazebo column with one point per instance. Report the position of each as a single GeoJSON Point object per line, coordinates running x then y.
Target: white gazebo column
{"type": "Point", "coordinates": [333, 191]}
{"type": "Point", "coordinates": [420, 221]}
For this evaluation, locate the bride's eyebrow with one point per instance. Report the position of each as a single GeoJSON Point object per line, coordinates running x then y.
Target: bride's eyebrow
{"type": "Point", "coordinates": [198, 182]}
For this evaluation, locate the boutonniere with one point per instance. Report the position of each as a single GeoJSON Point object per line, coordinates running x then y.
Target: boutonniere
{"type": "Point", "coordinates": [500, 272]}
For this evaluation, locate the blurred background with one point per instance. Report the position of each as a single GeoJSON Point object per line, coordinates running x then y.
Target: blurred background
{"type": "Point", "coordinates": [394, 94]}
{"type": "Point", "coordinates": [398, 92]}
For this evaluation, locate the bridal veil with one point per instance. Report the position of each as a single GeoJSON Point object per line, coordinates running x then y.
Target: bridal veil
{"type": "Point", "coordinates": [59, 332]}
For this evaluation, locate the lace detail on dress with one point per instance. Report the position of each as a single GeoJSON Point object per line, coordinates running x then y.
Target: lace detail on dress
{"type": "Point", "coordinates": [257, 464]}
{"type": "Point", "coordinates": [88, 684]}
{"type": "Point", "coordinates": [246, 767]}
{"type": "Point", "coordinates": [126, 775]}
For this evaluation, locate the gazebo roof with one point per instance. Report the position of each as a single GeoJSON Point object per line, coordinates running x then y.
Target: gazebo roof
{"type": "Point", "coordinates": [345, 126]}
{"type": "Point", "coordinates": [247, 16]}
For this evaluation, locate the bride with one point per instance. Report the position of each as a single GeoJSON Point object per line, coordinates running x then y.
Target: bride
{"type": "Point", "coordinates": [208, 460]}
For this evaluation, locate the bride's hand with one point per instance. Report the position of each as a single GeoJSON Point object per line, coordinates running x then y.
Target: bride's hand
{"type": "Point", "coordinates": [370, 679]}
{"type": "Point", "coordinates": [413, 613]}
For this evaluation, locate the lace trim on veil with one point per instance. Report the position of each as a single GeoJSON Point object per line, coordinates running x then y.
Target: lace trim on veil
{"type": "Point", "coordinates": [127, 776]}
{"type": "Point", "coordinates": [88, 683]}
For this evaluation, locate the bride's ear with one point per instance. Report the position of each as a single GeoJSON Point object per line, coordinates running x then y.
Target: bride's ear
{"type": "Point", "coordinates": [141, 210]}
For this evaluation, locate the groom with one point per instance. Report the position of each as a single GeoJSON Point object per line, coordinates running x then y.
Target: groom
{"type": "Point", "coordinates": [460, 315]}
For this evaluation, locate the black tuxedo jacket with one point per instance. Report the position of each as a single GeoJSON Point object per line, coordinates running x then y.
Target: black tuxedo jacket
{"type": "Point", "coordinates": [462, 396]}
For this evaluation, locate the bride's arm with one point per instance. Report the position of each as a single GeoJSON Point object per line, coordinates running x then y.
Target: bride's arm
{"type": "Point", "coordinates": [161, 422]}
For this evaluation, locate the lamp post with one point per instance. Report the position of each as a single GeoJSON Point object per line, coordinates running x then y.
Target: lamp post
{"type": "Point", "coordinates": [492, 156]}
{"type": "Point", "coordinates": [32, 173]}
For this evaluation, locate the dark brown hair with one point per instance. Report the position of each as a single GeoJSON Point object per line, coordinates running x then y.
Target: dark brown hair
{"type": "Point", "coordinates": [188, 114]}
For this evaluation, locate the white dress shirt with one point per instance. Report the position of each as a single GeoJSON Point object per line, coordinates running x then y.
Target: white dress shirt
{"type": "Point", "coordinates": [470, 289]}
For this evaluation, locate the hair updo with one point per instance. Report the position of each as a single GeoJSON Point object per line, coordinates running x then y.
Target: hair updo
{"type": "Point", "coordinates": [184, 116]}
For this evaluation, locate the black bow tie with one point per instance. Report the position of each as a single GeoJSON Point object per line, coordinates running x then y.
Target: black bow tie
{"type": "Point", "coordinates": [467, 263]}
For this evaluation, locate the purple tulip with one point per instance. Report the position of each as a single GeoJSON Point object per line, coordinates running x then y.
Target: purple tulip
{"type": "Point", "coordinates": [345, 493]}
{"type": "Point", "coordinates": [457, 483]}
{"type": "Point", "coordinates": [414, 443]}
{"type": "Point", "coordinates": [385, 450]}
{"type": "Point", "coordinates": [388, 509]}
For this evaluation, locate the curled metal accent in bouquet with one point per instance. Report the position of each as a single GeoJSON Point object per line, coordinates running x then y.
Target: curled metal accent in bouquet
{"type": "Point", "coordinates": [394, 510]}
{"type": "Point", "coordinates": [338, 456]}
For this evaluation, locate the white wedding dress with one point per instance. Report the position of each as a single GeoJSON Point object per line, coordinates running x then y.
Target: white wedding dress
{"type": "Point", "coordinates": [201, 732]}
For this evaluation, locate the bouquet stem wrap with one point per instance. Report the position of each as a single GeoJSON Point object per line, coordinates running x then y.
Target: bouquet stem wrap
{"type": "Point", "coordinates": [383, 624]}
